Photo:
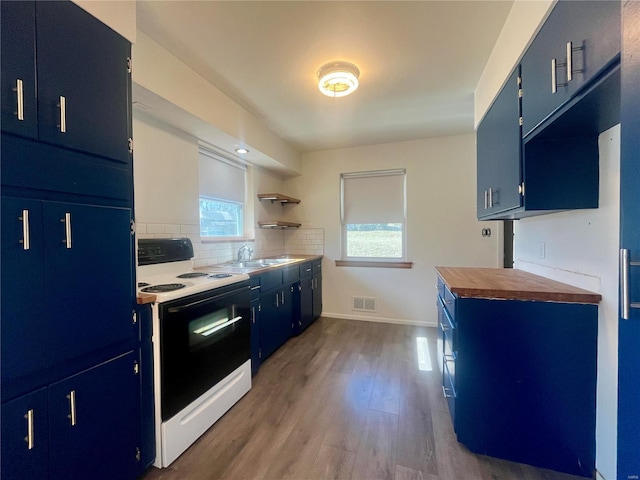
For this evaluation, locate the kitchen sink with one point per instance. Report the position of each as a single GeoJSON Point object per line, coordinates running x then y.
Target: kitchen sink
{"type": "Point", "coordinates": [260, 262]}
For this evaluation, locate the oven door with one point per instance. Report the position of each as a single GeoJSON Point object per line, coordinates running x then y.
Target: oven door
{"type": "Point", "coordinates": [203, 338]}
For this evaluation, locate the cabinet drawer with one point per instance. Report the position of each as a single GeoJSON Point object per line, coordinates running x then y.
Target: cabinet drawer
{"type": "Point", "coordinates": [450, 304]}
{"type": "Point", "coordinates": [449, 391]}
{"type": "Point", "coordinates": [291, 274]}
{"type": "Point", "coordinates": [270, 280]}
{"type": "Point", "coordinates": [306, 270]}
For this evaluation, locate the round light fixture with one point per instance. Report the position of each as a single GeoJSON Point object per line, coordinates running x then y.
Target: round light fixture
{"type": "Point", "coordinates": [241, 150]}
{"type": "Point", "coordinates": [338, 79]}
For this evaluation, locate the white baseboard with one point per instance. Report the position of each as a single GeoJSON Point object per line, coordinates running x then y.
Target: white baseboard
{"type": "Point", "coordinates": [398, 321]}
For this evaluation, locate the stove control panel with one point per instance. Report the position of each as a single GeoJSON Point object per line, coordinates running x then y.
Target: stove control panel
{"type": "Point", "coordinates": [162, 250]}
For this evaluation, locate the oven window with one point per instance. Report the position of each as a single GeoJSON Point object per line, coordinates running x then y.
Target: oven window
{"type": "Point", "coordinates": [212, 327]}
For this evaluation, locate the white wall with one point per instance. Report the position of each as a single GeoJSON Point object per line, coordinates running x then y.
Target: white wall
{"type": "Point", "coordinates": [172, 89]}
{"type": "Point", "coordinates": [524, 20]}
{"type": "Point", "coordinates": [581, 248]}
{"type": "Point", "coordinates": [442, 226]}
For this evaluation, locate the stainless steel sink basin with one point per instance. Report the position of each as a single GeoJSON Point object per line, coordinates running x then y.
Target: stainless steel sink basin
{"type": "Point", "coordinates": [260, 262]}
{"type": "Point", "coordinates": [276, 261]}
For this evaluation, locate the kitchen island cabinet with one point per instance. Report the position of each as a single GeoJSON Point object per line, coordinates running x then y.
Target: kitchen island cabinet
{"type": "Point", "coordinates": [518, 359]}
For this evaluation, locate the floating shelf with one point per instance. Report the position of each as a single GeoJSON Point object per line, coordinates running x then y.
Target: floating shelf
{"type": "Point", "coordinates": [277, 197]}
{"type": "Point", "coordinates": [278, 224]}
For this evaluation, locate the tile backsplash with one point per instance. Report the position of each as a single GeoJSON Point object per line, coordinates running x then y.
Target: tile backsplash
{"type": "Point", "coordinates": [267, 242]}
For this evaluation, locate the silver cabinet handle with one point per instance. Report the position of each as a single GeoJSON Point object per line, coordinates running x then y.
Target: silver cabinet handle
{"type": "Point", "coordinates": [569, 61]}
{"type": "Point", "coordinates": [67, 229]}
{"type": "Point", "coordinates": [20, 99]}
{"type": "Point", "coordinates": [26, 243]}
{"type": "Point", "coordinates": [277, 300]}
{"type": "Point", "coordinates": [29, 438]}
{"type": "Point", "coordinates": [253, 314]}
{"type": "Point", "coordinates": [282, 295]}
{"type": "Point", "coordinates": [486, 199]}
{"type": "Point", "coordinates": [445, 392]}
{"type": "Point", "coordinates": [490, 197]}
{"type": "Point", "coordinates": [72, 407]}
{"type": "Point", "coordinates": [625, 297]}
{"type": "Point", "coordinates": [554, 83]}
{"type": "Point", "coordinates": [63, 114]}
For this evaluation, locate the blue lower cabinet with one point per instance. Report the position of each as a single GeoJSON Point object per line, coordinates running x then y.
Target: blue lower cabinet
{"type": "Point", "coordinates": [25, 437]}
{"type": "Point", "coordinates": [85, 426]}
{"type": "Point", "coordinates": [147, 405]}
{"type": "Point", "coordinates": [94, 422]}
{"type": "Point", "coordinates": [255, 335]}
{"type": "Point", "coordinates": [521, 381]}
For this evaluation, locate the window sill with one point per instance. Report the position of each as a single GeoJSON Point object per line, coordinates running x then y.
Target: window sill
{"type": "Point", "coordinates": [225, 239]}
{"type": "Point", "coordinates": [360, 263]}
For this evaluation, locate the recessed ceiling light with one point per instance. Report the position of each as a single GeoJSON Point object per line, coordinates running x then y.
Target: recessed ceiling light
{"type": "Point", "coordinates": [241, 150]}
{"type": "Point", "coordinates": [338, 79]}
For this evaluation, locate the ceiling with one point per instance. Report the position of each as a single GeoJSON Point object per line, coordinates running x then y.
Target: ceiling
{"type": "Point", "coordinates": [419, 61]}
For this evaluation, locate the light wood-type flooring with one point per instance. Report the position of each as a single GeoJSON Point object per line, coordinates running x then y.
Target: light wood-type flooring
{"type": "Point", "coordinates": [344, 400]}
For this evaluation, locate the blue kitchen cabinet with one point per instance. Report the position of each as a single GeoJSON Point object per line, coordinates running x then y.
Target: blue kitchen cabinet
{"type": "Point", "coordinates": [256, 354]}
{"type": "Point", "coordinates": [147, 404]}
{"type": "Point", "coordinates": [75, 78]}
{"type": "Point", "coordinates": [18, 80]}
{"type": "Point", "coordinates": [84, 426]}
{"type": "Point", "coordinates": [25, 327]}
{"type": "Point", "coordinates": [305, 317]}
{"type": "Point", "coordinates": [316, 285]}
{"type": "Point", "coordinates": [48, 330]}
{"type": "Point", "coordinates": [25, 437]}
{"type": "Point", "coordinates": [93, 423]}
{"type": "Point", "coordinates": [276, 319]}
{"type": "Point", "coordinates": [499, 155]}
{"type": "Point", "coordinates": [520, 378]}
{"type": "Point", "coordinates": [581, 35]}
{"type": "Point", "coordinates": [628, 444]}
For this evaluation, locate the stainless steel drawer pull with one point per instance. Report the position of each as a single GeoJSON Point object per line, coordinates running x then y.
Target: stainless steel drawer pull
{"type": "Point", "coordinates": [63, 114]}
{"type": "Point", "coordinates": [72, 407]}
{"type": "Point", "coordinates": [625, 296]}
{"type": "Point", "coordinates": [29, 438]}
{"type": "Point", "coordinates": [67, 229]}
{"type": "Point", "coordinates": [570, 70]}
{"type": "Point", "coordinates": [26, 243]}
{"type": "Point", "coordinates": [445, 392]}
{"type": "Point", "coordinates": [20, 99]}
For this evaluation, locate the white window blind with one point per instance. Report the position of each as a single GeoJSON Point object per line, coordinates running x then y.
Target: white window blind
{"type": "Point", "coordinates": [221, 178]}
{"type": "Point", "coordinates": [373, 197]}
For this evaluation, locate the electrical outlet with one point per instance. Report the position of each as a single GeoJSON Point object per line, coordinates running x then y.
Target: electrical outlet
{"type": "Point", "coordinates": [541, 250]}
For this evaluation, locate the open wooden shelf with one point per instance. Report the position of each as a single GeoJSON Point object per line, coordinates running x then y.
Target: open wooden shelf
{"type": "Point", "coordinates": [278, 224]}
{"type": "Point", "coordinates": [277, 197]}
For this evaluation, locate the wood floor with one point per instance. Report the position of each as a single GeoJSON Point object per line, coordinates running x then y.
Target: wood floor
{"type": "Point", "coordinates": [344, 400]}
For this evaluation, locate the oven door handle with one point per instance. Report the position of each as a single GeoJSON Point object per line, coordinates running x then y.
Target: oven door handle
{"type": "Point", "coordinates": [182, 308]}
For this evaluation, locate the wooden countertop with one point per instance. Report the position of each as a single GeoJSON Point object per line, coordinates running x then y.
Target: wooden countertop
{"type": "Point", "coordinates": [511, 284]}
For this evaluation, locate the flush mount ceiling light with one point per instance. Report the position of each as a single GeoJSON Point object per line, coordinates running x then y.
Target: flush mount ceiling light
{"type": "Point", "coordinates": [241, 150]}
{"type": "Point", "coordinates": [338, 79]}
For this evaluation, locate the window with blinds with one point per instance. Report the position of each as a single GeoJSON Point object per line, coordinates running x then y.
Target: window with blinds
{"type": "Point", "coordinates": [373, 215]}
{"type": "Point", "coordinates": [222, 196]}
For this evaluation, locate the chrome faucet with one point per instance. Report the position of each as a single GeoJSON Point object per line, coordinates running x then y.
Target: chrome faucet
{"type": "Point", "coordinates": [243, 251]}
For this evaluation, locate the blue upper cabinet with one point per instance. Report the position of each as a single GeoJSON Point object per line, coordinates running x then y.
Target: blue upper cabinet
{"type": "Point", "coordinates": [74, 76]}
{"type": "Point", "coordinates": [499, 152]}
{"type": "Point", "coordinates": [18, 80]}
{"type": "Point", "coordinates": [577, 43]}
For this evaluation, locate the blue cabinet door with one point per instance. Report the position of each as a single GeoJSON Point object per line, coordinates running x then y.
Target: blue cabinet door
{"type": "Point", "coordinates": [25, 437]}
{"type": "Point", "coordinates": [18, 79]}
{"type": "Point", "coordinates": [255, 335]}
{"type": "Point", "coordinates": [317, 296]}
{"type": "Point", "coordinates": [499, 152]}
{"type": "Point", "coordinates": [86, 63]}
{"type": "Point", "coordinates": [94, 422]}
{"type": "Point", "coordinates": [593, 27]}
{"type": "Point", "coordinates": [88, 268]}
{"type": "Point", "coordinates": [629, 329]}
{"type": "Point", "coordinates": [306, 302]}
{"type": "Point", "coordinates": [25, 326]}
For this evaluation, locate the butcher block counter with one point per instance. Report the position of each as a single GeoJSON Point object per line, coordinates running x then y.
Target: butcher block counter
{"type": "Point", "coordinates": [511, 284]}
{"type": "Point", "coordinates": [517, 353]}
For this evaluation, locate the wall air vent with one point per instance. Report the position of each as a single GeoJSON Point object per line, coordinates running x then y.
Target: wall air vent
{"type": "Point", "coordinates": [364, 304]}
